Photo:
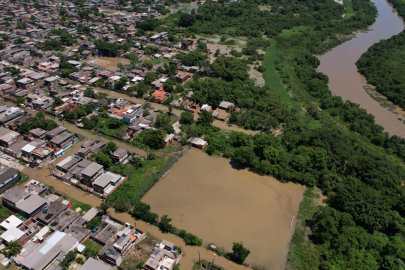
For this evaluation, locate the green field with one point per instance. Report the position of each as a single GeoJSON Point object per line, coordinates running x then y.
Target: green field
{"type": "Point", "coordinates": [75, 204]}
{"type": "Point", "coordinates": [139, 181]}
{"type": "Point", "coordinates": [349, 12]}
{"type": "Point", "coordinates": [272, 78]}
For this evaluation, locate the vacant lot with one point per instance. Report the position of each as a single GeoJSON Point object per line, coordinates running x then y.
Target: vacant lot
{"type": "Point", "coordinates": [109, 62]}
{"type": "Point", "coordinates": [220, 204]}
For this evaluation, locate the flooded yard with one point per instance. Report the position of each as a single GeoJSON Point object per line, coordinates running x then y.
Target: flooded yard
{"type": "Point", "coordinates": [208, 197]}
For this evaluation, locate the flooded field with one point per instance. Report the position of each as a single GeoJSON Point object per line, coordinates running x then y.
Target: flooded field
{"type": "Point", "coordinates": [208, 197]}
{"type": "Point", "coordinates": [109, 62]}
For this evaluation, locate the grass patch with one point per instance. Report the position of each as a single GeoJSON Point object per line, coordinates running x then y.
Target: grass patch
{"type": "Point", "coordinates": [171, 149]}
{"type": "Point", "coordinates": [5, 213]}
{"type": "Point", "coordinates": [303, 253]}
{"type": "Point", "coordinates": [24, 178]}
{"type": "Point", "coordinates": [286, 33]}
{"type": "Point", "coordinates": [75, 204]}
{"type": "Point", "coordinates": [349, 11]}
{"type": "Point", "coordinates": [139, 181]}
{"type": "Point", "coordinates": [92, 248]}
{"type": "Point", "coordinates": [272, 80]}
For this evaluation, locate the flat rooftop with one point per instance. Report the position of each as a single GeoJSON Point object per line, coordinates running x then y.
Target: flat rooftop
{"type": "Point", "coordinates": [52, 212]}
{"type": "Point", "coordinates": [61, 222]}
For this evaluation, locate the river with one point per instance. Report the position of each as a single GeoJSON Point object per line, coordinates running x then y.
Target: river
{"type": "Point", "coordinates": [344, 79]}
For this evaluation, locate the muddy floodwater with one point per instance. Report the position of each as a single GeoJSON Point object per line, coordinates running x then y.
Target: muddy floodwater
{"type": "Point", "coordinates": [345, 81]}
{"type": "Point", "coordinates": [208, 197]}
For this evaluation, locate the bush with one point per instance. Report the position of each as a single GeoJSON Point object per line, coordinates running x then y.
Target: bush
{"type": "Point", "coordinates": [93, 223]}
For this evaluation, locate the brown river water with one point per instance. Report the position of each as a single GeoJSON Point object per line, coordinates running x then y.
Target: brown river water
{"type": "Point", "coordinates": [345, 81]}
{"type": "Point", "coordinates": [208, 197]}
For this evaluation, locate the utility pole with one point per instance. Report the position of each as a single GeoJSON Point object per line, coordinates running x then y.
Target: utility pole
{"type": "Point", "coordinates": [199, 258]}
{"type": "Point", "coordinates": [213, 259]}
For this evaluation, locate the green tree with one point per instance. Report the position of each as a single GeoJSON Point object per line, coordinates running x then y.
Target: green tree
{"type": "Point", "coordinates": [205, 119]}
{"type": "Point", "coordinates": [150, 77]}
{"type": "Point", "coordinates": [19, 100]}
{"type": "Point", "coordinates": [187, 118]}
{"type": "Point", "coordinates": [153, 138]}
{"type": "Point", "coordinates": [89, 92]}
{"type": "Point", "coordinates": [133, 58]}
{"type": "Point", "coordinates": [120, 66]}
{"type": "Point", "coordinates": [111, 147]}
{"type": "Point", "coordinates": [103, 208]}
{"type": "Point", "coordinates": [240, 252]}
{"type": "Point", "coordinates": [141, 210]}
{"type": "Point", "coordinates": [57, 102]}
{"type": "Point", "coordinates": [103, 159]}
{"type": "Point", "coordinates": [164, 224]}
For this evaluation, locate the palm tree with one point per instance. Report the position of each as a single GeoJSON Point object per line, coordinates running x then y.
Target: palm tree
{"type": "Point", "coordinates": [12, 249]}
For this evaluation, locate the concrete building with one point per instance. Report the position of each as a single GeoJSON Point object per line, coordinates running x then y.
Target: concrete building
{"type": "Point", "coordinates": [8, 178]}
{"type": "Point", "coordinates": [54, 248]}
{"type": "Point", "coordinates": [92, 264]}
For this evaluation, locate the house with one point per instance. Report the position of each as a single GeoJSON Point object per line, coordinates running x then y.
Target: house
{"type": "Point", "coordinates": [52, 81]}
{"type": "Point", "coordinates": [106, 183]}
{"type": "Point", "coordinates": [8, 178]}
{"type": "Point", "coordinates": [169, 138]}
{"type": "Point", "coordinates": [38, 133]}
{"type": "Point", "coordinates": [120, 156]}
{"type": "Point", "coordinates": [221, 114]}
{"type": "Point", "coordinates": [187, 44]}
{"type": "Point", "coordinates": [67, 164]}
{"type": "Point", "coordinates": [160, 96]}
{"type": "Point", "coordinates": [8, 137]}
{"type": "Point", "coordinates": [79, 232]}
{"type": "Point", "coordinates": [225, 105]}
{"type": "Point", "coordinates": [11, 221]}
{"type": "Point", "coordinates": [55, 132]}
{"type": "Point", "coordinates": [182, 77]}
{"type": "Point", "coordinates": [12, 234]}
{"type": "Point", "coordinates": [50, 213]}
{"type": "Point", "coordinates": [24, 203]}
{"type": "Point", "coordinates": [106, 231]}
{"type": "Point", "coordinates": [15, 149]}
{"type": "Point", "coordinates": [6, 88]}
{"type": "Point", "coordinates": [64, 219]}
{"type": "Point", "coordinates": [162, 257]}
{"type": "Point", "coordinates": [123, 243]}
{"type": "Point", "coordinates": [197, 142]}
{"type": "Point", "coordinates": [42, 155]}
{"type": "Point", "coordinates": [63, 140]}
{"type": "Point", "coordinates": [92, 264]}
{"type": "Point", "coordinates": [54, 248]}
{"type": "Point", "coordinates": [90, 173]}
